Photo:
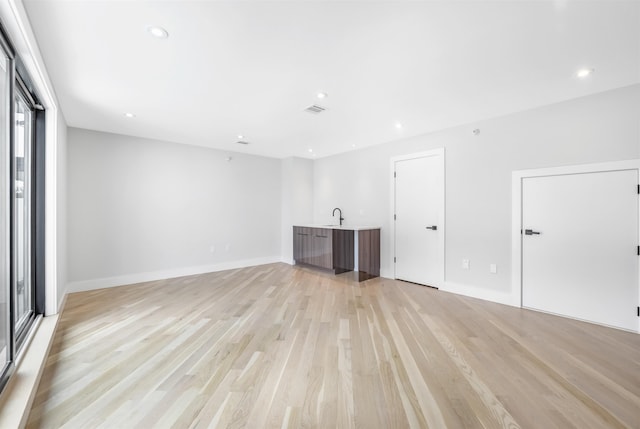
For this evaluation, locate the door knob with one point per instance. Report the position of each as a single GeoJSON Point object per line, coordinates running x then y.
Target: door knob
{"type": "Point", "coordinates": [433, 228]}
{"type": "Point", "coordinates": [531, 232]}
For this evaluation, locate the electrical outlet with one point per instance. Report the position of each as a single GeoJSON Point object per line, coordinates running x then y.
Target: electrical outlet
{"type": "Point", "coordinates": [465, 264]}
{"type": "Point", "coordinates": [212, 249]}
{"type": "Point", "coordinates": [227, 247]}
{"type": "Point", "coordinates": [493, 268]}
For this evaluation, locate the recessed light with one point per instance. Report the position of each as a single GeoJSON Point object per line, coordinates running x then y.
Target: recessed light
{"type": "Point", "coordinates": [240, 136]}
{"type": "Point", "coordinates": [398, 125]}
{"type": "Point", "coordinates": [322, 95]}
{"type": "Point", "coordinates": [158, 32]}
{"type": "Point", "coordinates": [582, 73]}
{"type": "Point", "coordinates": [353, 145]}
{"type": "Point", "coordinates": [310, 150]}
{"type": "Point", "coordinates": [129, 115]}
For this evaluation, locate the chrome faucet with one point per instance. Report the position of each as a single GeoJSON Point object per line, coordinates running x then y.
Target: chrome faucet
{"type": "Point", "coordinates": [334, 213]}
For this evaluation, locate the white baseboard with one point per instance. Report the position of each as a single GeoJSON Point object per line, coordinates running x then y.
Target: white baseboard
{"type": "Point", "coordinates": [128, 279]}
{"type": "Point", "coordinates": [63, 301]}
{"type": "Point", "coordinates": [386, 274]}
{"type": "Point", "coordinates": [506, 298]}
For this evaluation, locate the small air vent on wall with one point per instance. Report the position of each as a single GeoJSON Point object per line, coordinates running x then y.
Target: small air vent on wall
{"type": "Point", "coordinates": [314, 108]}
{"type": "Point", "coordinates": [242, 142]}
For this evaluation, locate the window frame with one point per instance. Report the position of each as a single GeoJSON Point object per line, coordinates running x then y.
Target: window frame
{"type": "Point", "coordinates": [22, 327]}
{"type": "Point", "coordinates": [20, 83]}
{"type": "Point", "coordinates": [8, 367]}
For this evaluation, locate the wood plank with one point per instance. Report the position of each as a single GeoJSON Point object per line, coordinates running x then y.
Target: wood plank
{"type": "Point", "coordinates": [276, 346]}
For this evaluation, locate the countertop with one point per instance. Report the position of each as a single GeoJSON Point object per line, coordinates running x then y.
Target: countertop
{"type": "Point", "coordinates": [343, 227]}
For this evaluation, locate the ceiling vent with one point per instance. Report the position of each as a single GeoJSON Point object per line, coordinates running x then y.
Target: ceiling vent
{"type": "Point", "coordinates": [242, 142]}
{"type": "Point", "coordinates": [314, 108]}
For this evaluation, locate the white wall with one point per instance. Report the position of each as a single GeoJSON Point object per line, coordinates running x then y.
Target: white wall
{"type": "Point", "coordinates": [297, 200]}
{"type": "Point", "coordinates": [598, 128]}
{"type": "Point", "coordinates": [61, 208]}
{"type": "Point", "coordinates": [142, 209]}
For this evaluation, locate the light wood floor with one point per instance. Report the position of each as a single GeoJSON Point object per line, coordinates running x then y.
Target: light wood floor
{"type": "Point", "coordinates": [276, 346]}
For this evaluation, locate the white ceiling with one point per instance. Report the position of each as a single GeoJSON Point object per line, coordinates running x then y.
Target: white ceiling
{"type": "Point", "coordinates": [252, 67]}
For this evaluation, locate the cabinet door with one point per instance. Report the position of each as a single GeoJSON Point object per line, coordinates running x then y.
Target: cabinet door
{"type": "Point", "coordinates": [369, 253]}
{"type": "Point", "coordinates": [342, 251]}
{"type": "Point", "coordinates": [322, 248]}
{"type": "Point", "coordinates": [301, 245]}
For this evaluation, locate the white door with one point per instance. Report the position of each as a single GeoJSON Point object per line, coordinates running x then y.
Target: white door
{"type": "Point", "coordinates": [579, 246]}
{"type": "Point", "coordinates": [419, 219]}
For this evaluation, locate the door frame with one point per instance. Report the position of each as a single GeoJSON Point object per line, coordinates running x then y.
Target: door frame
{"type": "Point", "coordinates": [516, 210]}
{"type": "Point", "coordinates": [392, 206]}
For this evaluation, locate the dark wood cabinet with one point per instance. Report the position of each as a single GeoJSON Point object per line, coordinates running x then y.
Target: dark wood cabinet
{"type": "Point", "coordinates": [369, 254]}
{"type": "Point", "coordinates": [333, 249]}
{"type": "Point", "coordinates": [323, 247]}
{"type": "Point", "coordinates": [302, 245]}
{"type": "Point", "coordinates": [342, 251]}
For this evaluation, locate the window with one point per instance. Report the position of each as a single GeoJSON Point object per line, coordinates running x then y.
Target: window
{"type": "Point", "coordinates": [6, 351]}
{"type": "Point", "coordinates": [21, 205]}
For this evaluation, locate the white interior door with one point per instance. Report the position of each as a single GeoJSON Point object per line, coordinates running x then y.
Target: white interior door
{"type": "Point", "coordinates": [579, 246]}
{"type": "Point", "coordinates": [419, 219]}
